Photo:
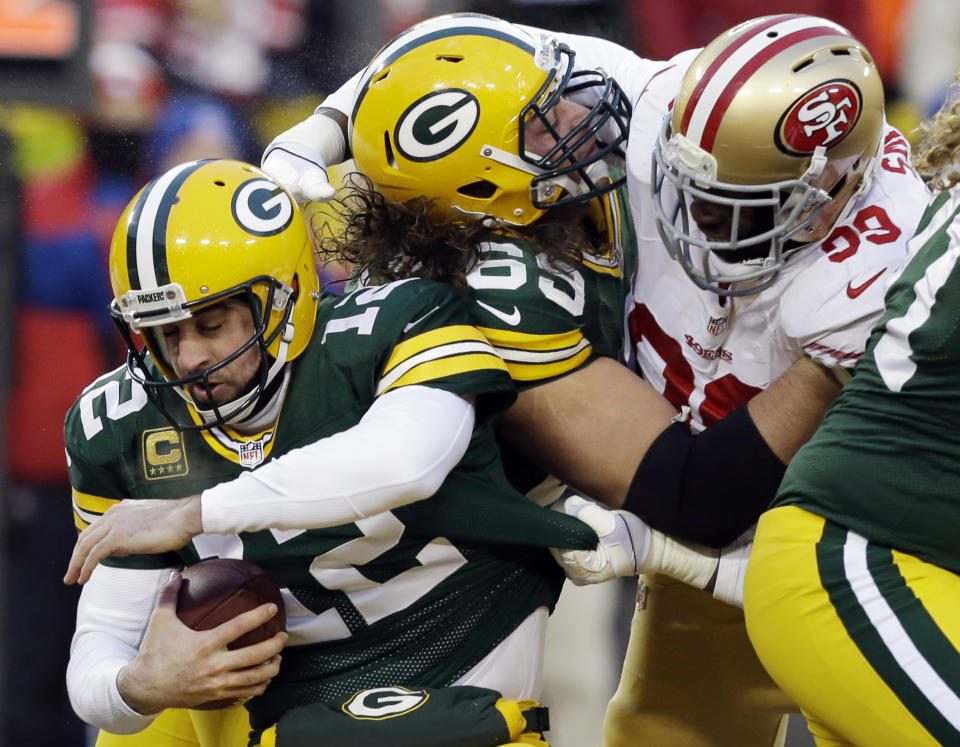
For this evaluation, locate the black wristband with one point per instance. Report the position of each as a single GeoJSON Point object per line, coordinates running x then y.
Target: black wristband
{"type": "Point", "coordinates": [707, 488]}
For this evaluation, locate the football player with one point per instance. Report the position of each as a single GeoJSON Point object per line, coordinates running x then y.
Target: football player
{"type": "Point", "coordinates": [341, 443]}
{"type": "Point", "coordinates": [765, 166]}
{"type": "Point", "coordinates": [865, 635]}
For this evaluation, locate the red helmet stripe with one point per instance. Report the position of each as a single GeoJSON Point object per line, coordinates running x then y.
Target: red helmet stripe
{"type": "Point", "coordinates": [721, 58]}
{"type": "Point", "coordinates": [715, 106]}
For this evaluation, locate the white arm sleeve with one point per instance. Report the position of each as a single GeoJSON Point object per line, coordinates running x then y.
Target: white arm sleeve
{"type": "Point", "coordinates": [321, 136]}
{"type": "Point", "coordinates": [324, 142]}
{"type": "Point", "coordinates": [400, 452]}
{"type": "Point", "coordinates": [342, 98]}
{"type": "Point", "coordinates": [629, 69]}
{"type": "Point", "coordinates": [111, 616]}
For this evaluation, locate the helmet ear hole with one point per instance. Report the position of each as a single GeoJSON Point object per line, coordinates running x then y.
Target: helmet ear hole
{"type": "Point", "coordinates": [389, 155]}
{"type": "Point", "coordinates": [482, 189]}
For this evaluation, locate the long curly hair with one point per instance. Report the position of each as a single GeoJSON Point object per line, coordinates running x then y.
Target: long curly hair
{"type": "Point", "coordinates": [938, 156]}
{"type": "Point", "coordinates": [386, 241]}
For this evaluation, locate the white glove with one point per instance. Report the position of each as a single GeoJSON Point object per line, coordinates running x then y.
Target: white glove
{"type": "Point", "coordinates": [624, 542]}
{"type": "Point", "coordinates": [300, 169]}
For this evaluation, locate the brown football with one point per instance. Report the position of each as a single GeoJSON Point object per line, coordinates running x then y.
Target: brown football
{"type": "Point", "coordinates": [216, 590]}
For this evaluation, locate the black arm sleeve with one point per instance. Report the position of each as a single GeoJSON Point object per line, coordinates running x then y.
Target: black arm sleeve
{"type": "Point", "coordinates": [707, 488]}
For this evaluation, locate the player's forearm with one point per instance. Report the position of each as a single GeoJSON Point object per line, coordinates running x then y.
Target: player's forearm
{"type": "Point", "coordinates": [712, 487]}
{"type": "Point", "coordinates": [590, 428]}
{"type": "Point", "coordinates": [400, 452]}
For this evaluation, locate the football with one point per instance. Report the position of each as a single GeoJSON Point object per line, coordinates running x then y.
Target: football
{"type": "Point", "coordinates": [216, 590]}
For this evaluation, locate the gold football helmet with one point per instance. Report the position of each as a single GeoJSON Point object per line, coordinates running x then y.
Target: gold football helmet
{"type": "Point", "coordinates": [778, 121]}
{"type": "Point", "coordinates": [440, 114]}
{"type": "Point", "coordinates": [199, 233]}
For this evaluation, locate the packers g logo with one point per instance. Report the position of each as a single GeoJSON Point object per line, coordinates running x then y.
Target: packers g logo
{"type": "Point", "coordinates": [436, 124]}
{"type": "Point", "coordinates": [261, 208]}
{"type": "Point", "coordinates": [824, 115]}
{"type": "Point", "coordinates": [384, 702]}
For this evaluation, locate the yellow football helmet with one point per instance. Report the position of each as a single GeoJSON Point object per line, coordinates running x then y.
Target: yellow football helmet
{"type": "Point", "coordinates": [440, 112]}
{"type": "Point", "coordinates": [781, 115]}
{"type": "Point", "coordinates": [199, 233]}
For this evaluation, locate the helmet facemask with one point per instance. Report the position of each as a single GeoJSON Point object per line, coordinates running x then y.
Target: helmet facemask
{"type": "Point", "coordinates": [779, 211]}
{"type": "Point", "coordinates": [134, 317]}
{"type": "Point", "coordinates": [606, 124]}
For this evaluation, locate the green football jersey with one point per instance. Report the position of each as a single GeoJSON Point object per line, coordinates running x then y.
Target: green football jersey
{"type": "Point", "coordinates": [886, 460]}
{"type": "Point", "coordinates": [548, 319]}
{"type": "Point", "coordinates": [413, 596]}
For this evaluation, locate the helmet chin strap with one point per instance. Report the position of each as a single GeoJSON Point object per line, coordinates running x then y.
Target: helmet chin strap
{"type": "Point", "coordinates": [238, 410]}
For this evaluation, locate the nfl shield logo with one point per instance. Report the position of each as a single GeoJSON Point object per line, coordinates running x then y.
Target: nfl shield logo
{"type": "Point", "coordinates": [717, 325]}
{"type": "Point", "coordinates": [251, 454]}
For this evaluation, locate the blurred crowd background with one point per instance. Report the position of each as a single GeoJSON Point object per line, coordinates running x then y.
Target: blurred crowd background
{"type": "Point", "coordinates": [99, 96]}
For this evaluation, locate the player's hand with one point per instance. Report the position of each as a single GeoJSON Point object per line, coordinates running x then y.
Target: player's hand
{"type": "Point", "coordinates": [177, 667]}
{"type": "Point", "coordinates": [624, 540]}
{"type": "Point", "coordinates": [300, 169]}
{"type": "Point", "coordinates": [133, 527]}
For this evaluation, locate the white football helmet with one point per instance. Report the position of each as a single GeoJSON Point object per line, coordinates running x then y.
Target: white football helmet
{"type": "Point", "coordinates": [776, 128]}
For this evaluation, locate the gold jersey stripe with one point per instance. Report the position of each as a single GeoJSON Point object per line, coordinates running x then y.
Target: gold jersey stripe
{"type": "Point", "coordinates": [227, 450]}
{"type": "Point", "coordinates": [537, 371]}
{"type": "Point", "coordinates": [601, 269]}
{"type": "Point", "coordinates": [451, 350]}
{"type": "Point", "coordinates": [513, 355]}
{"type": "Point", "coordinates": [87, 507]}
{"type": "Point", "coordinates": [430, 370]}
{"type": "Point", "coordinates": [434, 338]}
{"type": "Point", "coordinates": [94, 504]}
{"type": "Point", "coordinates": [527, 341]}
{"type": "Point", "coordinates": [226, 442]}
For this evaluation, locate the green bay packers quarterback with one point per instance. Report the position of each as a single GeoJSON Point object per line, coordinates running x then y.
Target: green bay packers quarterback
{"type": "Point", "coordinates": [345, 445]}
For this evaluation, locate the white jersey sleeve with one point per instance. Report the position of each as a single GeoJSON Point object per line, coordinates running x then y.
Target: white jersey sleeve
{"type": "Point", "coordinates": [829, 308]}
{"type": "Point", "coordinates": [631, 71]}
{"type": "Point", "coordinates": [401, 451]}
{"type": "Point", "coordinates": [111, 616]}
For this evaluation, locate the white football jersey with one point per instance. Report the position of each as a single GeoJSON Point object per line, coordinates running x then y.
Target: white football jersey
{"type": "Point", "coordinates": [713, 353]}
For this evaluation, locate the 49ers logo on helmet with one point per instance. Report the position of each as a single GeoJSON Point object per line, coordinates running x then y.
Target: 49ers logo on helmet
{"type": "Point", "coordinates": [436, 124]}
{"type": "Point", "coordinates": [824, 115]}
